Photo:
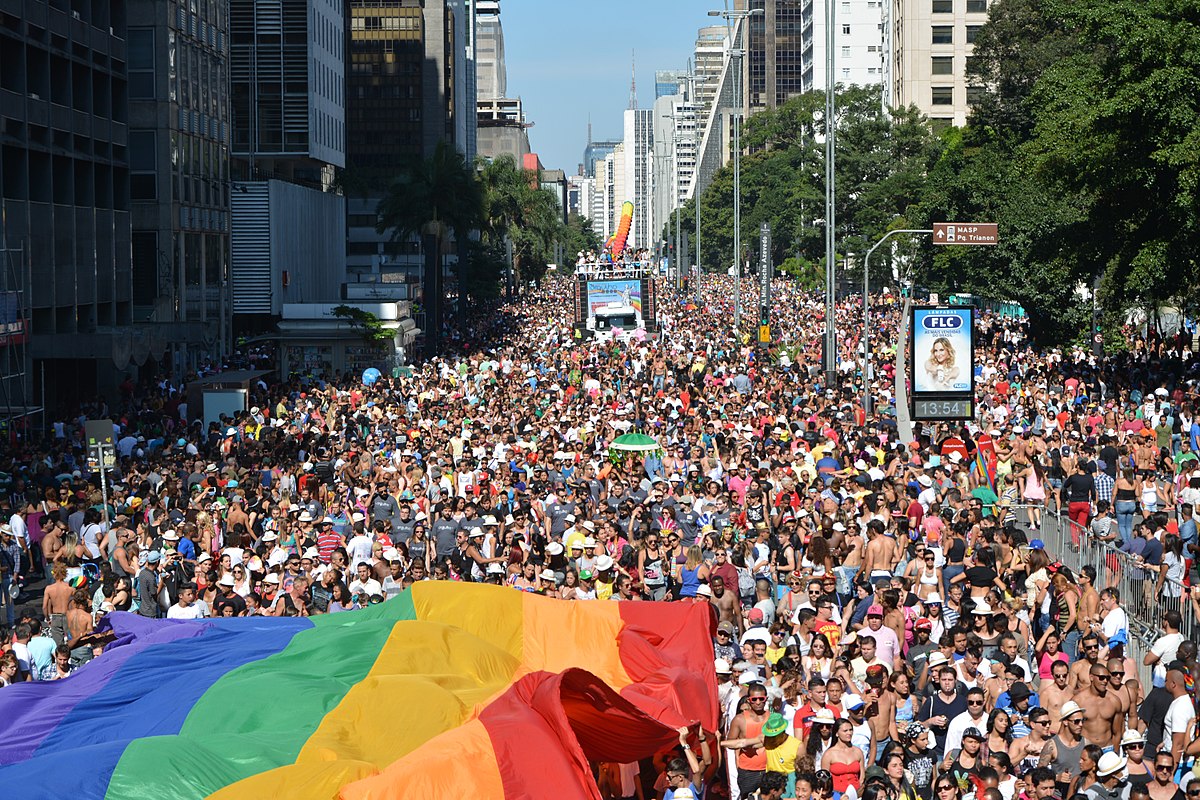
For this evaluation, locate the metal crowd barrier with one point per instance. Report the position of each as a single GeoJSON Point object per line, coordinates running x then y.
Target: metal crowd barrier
{"type": "Point", "coordinates": [1143, 605]}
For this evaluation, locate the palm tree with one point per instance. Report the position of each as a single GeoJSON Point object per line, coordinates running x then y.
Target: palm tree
{"type": "Point", "coordinates": [433, 197]}
{"type": "Point", "coordinates": [516, 208]}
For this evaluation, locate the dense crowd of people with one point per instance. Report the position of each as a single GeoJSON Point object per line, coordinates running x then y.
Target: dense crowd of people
{"type": "Point", "coordinates": [889, 623]}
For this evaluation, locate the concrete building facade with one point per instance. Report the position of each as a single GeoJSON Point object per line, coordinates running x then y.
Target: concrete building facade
{"type": "Point", "coordinates": [709, 62]}
{"type": "Point", "coordinates": [64, 186]}
{"type": "Point", "coordinates": [500, 119]}
{"type": "Point", "coordinates": [411, 86]}
{"type": "Point", "coordinates": [675, 145]}
{"type": "Point", "coordinates": [287, 76]}
{"type": "Point", "coordinates": [931, 43]}
{"type": "Point", "coordinates": [179, 136]}
{"type": "Point", "coordinates": [636, 167]}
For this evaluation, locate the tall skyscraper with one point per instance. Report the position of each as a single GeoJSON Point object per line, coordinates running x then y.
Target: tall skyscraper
{"type": "Point", "coordinates": [675, 144]}
{"type": "Point", "coordinates": [709, 61]}
{"type": "Point", "coordinates": [64, 188]}
{"type": "Point", "coordinates": [288, 226]}
{"type": "Point", "coordinates": [179, 136]}
{"type": "Point", "coordinates": [413, 67]}
{"type": "Point", "coordinates": [930, 43]}
{"type": "Point", "coordinates": [786, 50]}
{"type": "Point", "coordinates": [637, 142]}
{"type": "Point", "coordinates": [287, 66]}
{"type": "Point", "coordinates": [500, 118]}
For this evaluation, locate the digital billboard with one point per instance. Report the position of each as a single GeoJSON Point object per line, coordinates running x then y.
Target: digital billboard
{"type": "Point", "coordinates": [942, 351]}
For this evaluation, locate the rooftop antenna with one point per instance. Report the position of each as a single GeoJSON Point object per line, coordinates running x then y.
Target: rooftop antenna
{"type": "Point", "coordinates": [633, 80]}
{"type": "Point", "coordinates": [589, 127]}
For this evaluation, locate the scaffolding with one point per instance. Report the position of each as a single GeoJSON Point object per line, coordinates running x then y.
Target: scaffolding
{"type": "Point", "coordinates": [18, 411]}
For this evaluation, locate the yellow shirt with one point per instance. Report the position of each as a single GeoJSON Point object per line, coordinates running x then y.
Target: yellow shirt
{"type": "Point", "coordinates": [604, 590]}
{"type": "Point", "coordinates": [783, 758]}
{"type": "Point", "coordinates": [774, 654]}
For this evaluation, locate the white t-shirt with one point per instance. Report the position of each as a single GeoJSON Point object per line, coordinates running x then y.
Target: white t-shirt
{"type": "Point", "coordinates": [1114, 622]}
{"type": "Point", "coordinates": [370, 586]}
{"type": "Point", "coordinates": [24, 660]}
{"type": "Point", "coordinates": [1178, 716]}
{"type": "Point", "coordinates": [193, 611]}
{"type": "Point", "coordinates": [359, 550]}
{"type": "Point", "coordinates": [1166, 647]}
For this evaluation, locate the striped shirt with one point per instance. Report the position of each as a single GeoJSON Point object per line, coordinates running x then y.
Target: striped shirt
{"type": "Point", "coordinates": [327, 541]}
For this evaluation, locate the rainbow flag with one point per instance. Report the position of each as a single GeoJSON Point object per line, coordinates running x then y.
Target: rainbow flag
{"type": "Point", "coordinates": [448, 690]}
{"type": "Point", "coordinates": [980, 467]}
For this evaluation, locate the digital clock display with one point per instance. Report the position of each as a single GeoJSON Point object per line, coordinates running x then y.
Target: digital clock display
{"type": "Point", "coordinates": [943, 409]}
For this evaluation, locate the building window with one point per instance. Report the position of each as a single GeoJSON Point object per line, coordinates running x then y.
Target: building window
{"type": "Point", "coordinates": [943, 6]}
{"type": "Point", "coordinates": [140, 45]}
{"type": "Point", "coordinates": [143, 157]}
{"type": "Point", "coordinates": [977, 6]}
{"type": "Point", "coordinates": [943, 65]}
{"type": "Point", "coordinates": [845, 52]}
{"type": "Point", "coordinates": [972, 32]}
{"type": "Point", "coordinates": [974, 95]}
{"type": "Point", "coordinates": [943, 34]}
{"type": "Point", "coordinates": [845, 30]}
{"type": "Point", "coordinates": [940, 124]}
{"type": "Point", "coordinates": [943, 95]}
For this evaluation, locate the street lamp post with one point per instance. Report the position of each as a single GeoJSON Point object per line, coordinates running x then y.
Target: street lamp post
{"type": "Point", "coordinates": [735, 63]}
{"type": "Point", "coordinates": [866, 301]}
{"type": "Point", "coordinates": [830, 228]}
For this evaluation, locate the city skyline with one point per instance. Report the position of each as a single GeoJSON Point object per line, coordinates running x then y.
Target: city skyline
{"type": "Point", "coordinates": [558, 87]}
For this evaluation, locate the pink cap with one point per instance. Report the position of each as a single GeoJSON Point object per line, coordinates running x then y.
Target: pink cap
{"type": "Point", "coordinates": [755, 615]}
{"type": "Point", "coordinates": [875, 611]}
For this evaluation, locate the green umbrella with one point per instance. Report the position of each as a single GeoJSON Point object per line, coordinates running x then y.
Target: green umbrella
{"type": "Point", "coordinates": [635, 443]}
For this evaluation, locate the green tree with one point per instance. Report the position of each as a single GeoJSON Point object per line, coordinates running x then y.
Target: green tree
{"type": "Point", "coordinates": [1085, 147]}
{"type": "Point", "coordinates": [515, 207]}
{"type": "Point", "coordinates": [881, 167]}
{"type": "Point", "coordinates": [433, 197]}
{"type": "Point", "coordinates": [577, 236]}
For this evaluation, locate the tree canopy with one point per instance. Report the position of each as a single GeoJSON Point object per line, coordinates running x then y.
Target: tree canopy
{"type": "Point", "coordinates": [1083, 145]}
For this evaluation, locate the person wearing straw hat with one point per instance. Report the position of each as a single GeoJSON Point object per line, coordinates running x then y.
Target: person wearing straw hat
{"type": "Point", "coordinates": [1109, 783]}
{"type": "Point", "coordinates": [1061, 754]}
{"type": "Point", "coordinates": [1137, 769]}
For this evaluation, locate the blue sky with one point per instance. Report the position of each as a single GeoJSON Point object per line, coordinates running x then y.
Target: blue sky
{"type": "Point", "coordinates": [567, 58]}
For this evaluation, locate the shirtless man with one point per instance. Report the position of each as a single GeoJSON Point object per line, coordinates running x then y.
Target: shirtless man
{"type": "Point", "coordinates": [724, 602]}
{"type": "Point", "coordinates": [79, 617]}
{"type": "Point", "coordinates": [1054, 694]}
{"type": "Point", "coordinates": [1089, 649]}
{"type": "Point", "coordinates": [881, 713]}
{"type": "Point", "coordinates": [1103, 722]}
{"type": "Point", "coordinates": [1122, 690]}
{"type": "Point", "coordinates": [1088, 610]}
{"type": "Point", "coordinates": [56, 601]}
{"type": "Point", "coordinates": [51, 544]}
{"type": "Point", "coordinates": [880, 561]}
{"type": "Point", "coordinates": [745, 736]}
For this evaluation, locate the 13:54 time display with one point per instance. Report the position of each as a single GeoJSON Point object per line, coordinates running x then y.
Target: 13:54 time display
{"type": "Point", "coordinates": [943, 409]}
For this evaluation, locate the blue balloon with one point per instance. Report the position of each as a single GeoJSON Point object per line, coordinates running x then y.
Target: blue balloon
{"type": "Point", "coordinates": [370, 375]}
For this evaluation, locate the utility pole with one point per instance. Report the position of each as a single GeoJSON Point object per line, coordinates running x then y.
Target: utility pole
{"type": "Point", "coordinates": [830, 227]}
{"type": "Point", "coordinates": [867, 373]}
{"type": "Point", "coordinates": [735, 64]}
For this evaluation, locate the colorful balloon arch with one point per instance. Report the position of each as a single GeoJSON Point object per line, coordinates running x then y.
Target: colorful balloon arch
{"type": "Point", "coordinates": [447, 690]}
